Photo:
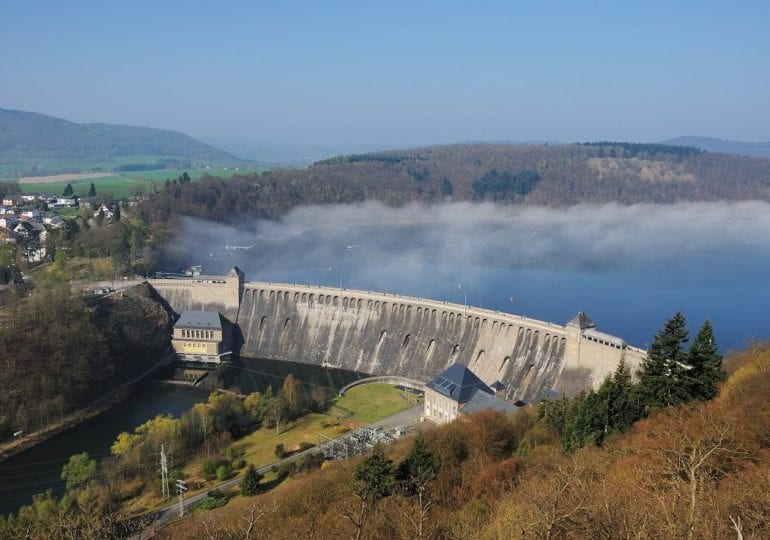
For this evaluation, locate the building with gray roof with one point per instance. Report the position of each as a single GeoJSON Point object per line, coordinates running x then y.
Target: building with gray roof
{"type": "Point", "coordinates": [457, 390]}
{"type": "Point", "coordinates": [202, 336]}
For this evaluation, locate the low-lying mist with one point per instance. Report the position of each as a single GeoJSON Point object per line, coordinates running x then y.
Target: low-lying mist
{"type": "Point", "coordinates": [630, 266]}
{"type": "Point", "coordinates": [466, 235]}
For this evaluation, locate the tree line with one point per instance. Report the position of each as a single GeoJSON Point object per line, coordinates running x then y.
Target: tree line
{"type": "Point", "coordinates": [668, 376]}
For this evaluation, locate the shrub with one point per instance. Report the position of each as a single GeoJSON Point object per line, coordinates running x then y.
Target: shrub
{"type": "Point", "coordinates": [233, 452]}
{"type": "Point", "coordinates": [213, 499]}
{"type": "Point", "coordinates": [223, 471]}
{"type": "Point", "coordinates": [280, 451]}
{"type": "Point", "coordinates": [209, 469]}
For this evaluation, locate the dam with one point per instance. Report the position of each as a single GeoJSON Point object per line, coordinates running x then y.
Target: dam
{"type": "Point", "coordinates": [386, 334]}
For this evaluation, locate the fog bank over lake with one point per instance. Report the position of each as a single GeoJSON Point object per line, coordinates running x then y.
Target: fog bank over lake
{"type": "Point", "coordinates": [630, 267]}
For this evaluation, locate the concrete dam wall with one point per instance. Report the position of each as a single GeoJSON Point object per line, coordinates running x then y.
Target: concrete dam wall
{"type": "Point", "coordinates": [385, 334]}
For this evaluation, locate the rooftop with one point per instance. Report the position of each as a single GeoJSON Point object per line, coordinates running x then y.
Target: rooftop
{"type": "Point", "coordinates": [582, 321]}
{"type": "Point", "coordinates": [601, 336]}
{"type": "Point", "coordinates": [480, 401]}
{"type": "Point", "coordinates": [200, 319]}
{"type": "Point", "coordinates": [458, 383]}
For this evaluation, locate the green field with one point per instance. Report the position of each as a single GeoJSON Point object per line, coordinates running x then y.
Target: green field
{"type": "Point", "coordinates": [195, 174]}
{"type": "Point", "coordinates": [361, 405]}
{"type": "Point", "coordinates": [127, 184]}
{"type": "Point", "coordinates": [117, 186]}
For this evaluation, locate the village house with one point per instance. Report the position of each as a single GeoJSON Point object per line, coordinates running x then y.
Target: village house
{"type": "Point", "coordinates": [29, 213]}
{"type": "Point", "coordinates": [8, 221]}
{"type": "Point", "coordinates": [53, 220]}
{"type": "Point", "coordinates": [105, 211]}
{"type": "Point", "coordinates": [29, 229]}
{"type": "Point", "coordinates": [47, 198]}
{"type": "Point", "coordinates": [69, 202]}
{"type": "Point", "coordinates": [10, 201]}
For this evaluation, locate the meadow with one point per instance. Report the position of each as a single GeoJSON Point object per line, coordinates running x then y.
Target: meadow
{"type": "Point", "coordinates": [123, 184]}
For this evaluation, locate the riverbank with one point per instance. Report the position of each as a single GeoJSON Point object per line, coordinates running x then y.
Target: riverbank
{"type": "Point", "coordinates": [101, 405]}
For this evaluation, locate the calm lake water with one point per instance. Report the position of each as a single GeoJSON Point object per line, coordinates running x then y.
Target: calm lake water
{"type": "Point", "coordinates": [732, 290]}
{"type": "Point", "coordinates": [39, 468]}
{"type": "Point", "coordinates": [630, 268]}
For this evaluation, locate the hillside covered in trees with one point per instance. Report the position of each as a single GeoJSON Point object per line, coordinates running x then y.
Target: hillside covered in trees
{"type": "Point", "coordinates": [67, 352]}
{"type": "Point", "coordinates": [540, 175]}
{"type": "Point", "coordinates": [699, 469]}
{"type": "Point", "coordinates": [27, 137]}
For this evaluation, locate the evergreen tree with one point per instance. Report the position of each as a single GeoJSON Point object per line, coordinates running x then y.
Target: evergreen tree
{"type": "Point", "coordinates": [250, 482]}
{"type": "Point", "coordinates": [374, 477]}
{"type": "Point", "coordinates": [92, 190]}
{"type": "Point", "coordinates": [116, 213]}
{"type": "Point", "coordinates": [68, 191]}
{"type": "Point", "coordinates": [705, 364]}
{"type": "Point", "coordinates": [446, 187]}
{"type": "Point", "coordinates": [585, 423]}
{"type": "Point", "coordinates": [663, 380]}
{"type": "Point", "coordinates": [417, 469]}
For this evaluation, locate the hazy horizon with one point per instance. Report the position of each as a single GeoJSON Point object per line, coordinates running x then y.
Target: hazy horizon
{"type": "Point", "coordinates": [396, 74]}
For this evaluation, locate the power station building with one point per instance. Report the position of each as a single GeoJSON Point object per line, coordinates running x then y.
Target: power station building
{"type": "Point", "coordinates": [458, 391]}
{"type": "Point", "coordinates": [202, 336]}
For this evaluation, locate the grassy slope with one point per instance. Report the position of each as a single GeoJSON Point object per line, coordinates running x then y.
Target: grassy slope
{"type": "Point", "coordinates": [126, 184]}
{"type": "Point", "coordinates": [361, 405]}
{"type": "Point", "coordinates": [367, 404]}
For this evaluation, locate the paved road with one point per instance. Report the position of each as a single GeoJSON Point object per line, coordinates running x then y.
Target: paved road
{"type": "Point", "coordinates": [406, 418]}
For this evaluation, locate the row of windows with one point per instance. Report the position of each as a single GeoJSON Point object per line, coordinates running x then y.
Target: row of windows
{"type": "Point", "coordinates": [200, 334]}
{"type": "Point", "coordinates": [608, 343]}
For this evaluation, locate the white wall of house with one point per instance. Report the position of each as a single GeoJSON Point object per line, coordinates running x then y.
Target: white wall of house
{"type": "Point", "coordinates": [439, 408]}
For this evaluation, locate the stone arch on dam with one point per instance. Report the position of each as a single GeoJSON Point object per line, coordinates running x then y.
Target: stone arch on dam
{"type": "Point", "coordinates": [385, 334]}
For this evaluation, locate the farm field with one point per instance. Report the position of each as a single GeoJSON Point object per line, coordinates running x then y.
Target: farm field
{"type": "Point", "coordinates": [119, 185]}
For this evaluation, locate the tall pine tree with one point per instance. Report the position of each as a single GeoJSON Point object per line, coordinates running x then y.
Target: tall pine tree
{"type": "Point", "coordinates": [663, 380]}
{"type": "Point", "coordinates": [250, 482]}
{"type": "Point", "coordinates": [705, 364]}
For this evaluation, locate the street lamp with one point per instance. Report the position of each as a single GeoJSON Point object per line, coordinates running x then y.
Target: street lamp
{"type": "Point", "coordinates": [465, 298]}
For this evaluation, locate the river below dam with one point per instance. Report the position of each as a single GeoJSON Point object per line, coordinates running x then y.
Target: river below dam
{"type": "Point", "coordinates": [39, 468]}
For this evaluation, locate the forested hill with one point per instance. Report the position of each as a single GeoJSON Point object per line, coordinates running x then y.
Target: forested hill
{"type": "Point", "coordinates": [26, 135]}
{"type": "Point", "coordinates": [758, 149]}
{"type": "Point", "coordinates": [553, 175]}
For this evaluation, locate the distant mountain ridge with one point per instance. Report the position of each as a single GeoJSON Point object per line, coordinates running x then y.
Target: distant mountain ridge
{"type": "Point", "coordinates": [711, 144]}
{"type": "Point", "coordinates": [27, 135]}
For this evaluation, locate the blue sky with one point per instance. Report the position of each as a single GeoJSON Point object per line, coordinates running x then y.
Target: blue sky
{"type": "Point", "coordinates": [395, 72]}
